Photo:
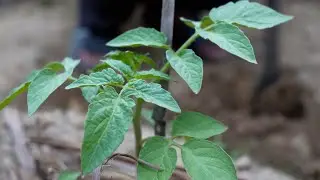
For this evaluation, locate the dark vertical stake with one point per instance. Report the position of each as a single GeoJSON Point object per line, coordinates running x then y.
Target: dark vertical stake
{"type": "Point", "coordinates": [167, 21]}
{"type": "Point", "coordinates": [270, 72]}
{"type": "Point", "coordinates": [271, 69]}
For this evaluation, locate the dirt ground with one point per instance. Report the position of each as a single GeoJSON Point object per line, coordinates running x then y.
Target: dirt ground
{"type": "Point", "coordinates": [32, 34]}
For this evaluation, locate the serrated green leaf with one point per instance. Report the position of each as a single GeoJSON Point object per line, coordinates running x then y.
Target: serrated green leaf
{"type": "Point", "coordinates": [204, 160]}
{"type": "Point", "coordinates": [152, 74]}
{"type": "Point", "coordinates": [107, 121]}
{"type": "Point", "coordinates": [120, 66]}
{"type": "Point", "coordinates": [231, 39]}
{"type": "Point", "coordinates": [152, 93]}
{"type": "Point", "coordinates": [89, 92]}
{"type": "Point", "coordinates": [157, 151]}
{"type": "Point", "coordinates": [46, 82]}
{"type": "Point", "coordinates": [196, 125]}
{"type": "Point", "coordinates": [189, 66]}
{"type": "Point", "coordinates": [250, 14]}
{"type": "Point", "coordinates": [134, 60]}
{"type": "Point", "coordinates": [69, 175]}
{"type": "Point", "coordinates": [140, 37]}
{"type": "Point", "coordinates": [105, 77]}
{"type": "Point", "coordinates": [13, 94]}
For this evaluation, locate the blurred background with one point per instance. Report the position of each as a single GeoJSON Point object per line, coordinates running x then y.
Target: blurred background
{"type": "Point", "coordinates": [272, 108]}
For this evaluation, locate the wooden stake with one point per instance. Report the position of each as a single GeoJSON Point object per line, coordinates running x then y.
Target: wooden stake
{"type": "Point", "coordinates": [167, 23]}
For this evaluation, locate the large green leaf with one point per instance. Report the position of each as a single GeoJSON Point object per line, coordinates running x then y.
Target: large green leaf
{"type": "Point", "coordinates": [46, 82]}
{"type": "Point", "coordinates": [152, 93]}
{"type": "Point", "coordinates": [120, 66]}
{"type": "Point", "coordinates": [107, 121]}
{"type": "Point", "coordinates": [32, 75]}
{"type": "Point", "coordinates": [157, 151]}
{"type": "Point", "coordinates": [89, 92]}
{"type": "Point", "coordinates": [152, 74]}
{"type": "Point", "coordinates": [105, 77]}
{"type": "Point", "coordinates": [69, 175]}
{"type": "Point", "coordinates": [134, 60]}
{"type": "Point", "coordinates": [231, 39]}
{"type": "Point", "coordinates": [204, 160]}
{"type": "Point", "coordinates": [189, 66]}
{"type": "Point", "coordinates": [196, 125]}
{"type": "Point", "coordinates": [140, 37]}
{"type": "Point", "coordinates": [250, 14]}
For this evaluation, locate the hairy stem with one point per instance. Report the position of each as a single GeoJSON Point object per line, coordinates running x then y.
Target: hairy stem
{"type": "Point", "coordinates": [137, 125]}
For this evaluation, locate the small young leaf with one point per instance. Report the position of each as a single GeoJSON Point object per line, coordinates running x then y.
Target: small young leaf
{"type": "Point", "coordinates": [18, 90]}
{"type": "Point", "coordinates": [189, 66]}
{"type": "Point", "coordinates": [140, 37]}
{"type": "Point", "coordinates": [100, 67]}
{"type": "Point", "coordinates": [157, 151]}
{"type": "Point", "coordinates": [89, 92]}
{"type": "Point", "coordinates": [56, 66]}
{"type": "Point", "coordinates": [69, 65]}
{"type": "Point", "coordinates": [105, 77]}
{"type": "Point", "coordinates": [250, 14]}
{"type": "Point", "coordinates": [190, 22]}
{"type": "Point", "coordinates": [196, 125]}
{"type": "Point", "coordinates": [152, 75]}
{"type": "Point", "coordinates": [204, 160]}
{"type": "Point", "coordinates": [152, 93]}
{"type": "Point", "coordinates": [231, 39]}
{"type": "Point", "coordinates": [46, 82]}
{"type": "Point", "coordinates": [69, 175]}
{"type": "Point", "coordinates": [205, 22]}
{"type": "Point", "coordinates": [120, 66]}
{"type": "Point", "coordinates": [13, 94]}
{"type": "Point", "coordinates": [108, 119]}
{"type": "Point", "coordinates": [134, 60]}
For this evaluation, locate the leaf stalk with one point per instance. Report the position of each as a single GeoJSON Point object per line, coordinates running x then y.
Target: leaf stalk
{"type": "Point", "coordinates": [137, 126]}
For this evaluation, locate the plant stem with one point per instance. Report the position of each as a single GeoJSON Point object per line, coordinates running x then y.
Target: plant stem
{"type": "Point", "coordinates": [185, 45]}
{"type": "Point", "coordinates": [188, 43]}
{"type": "Point", "coordinates": [137, 125]}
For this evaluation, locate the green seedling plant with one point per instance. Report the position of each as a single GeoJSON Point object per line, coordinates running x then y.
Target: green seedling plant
{"type": "Point", "coordinates": [117, 89]}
